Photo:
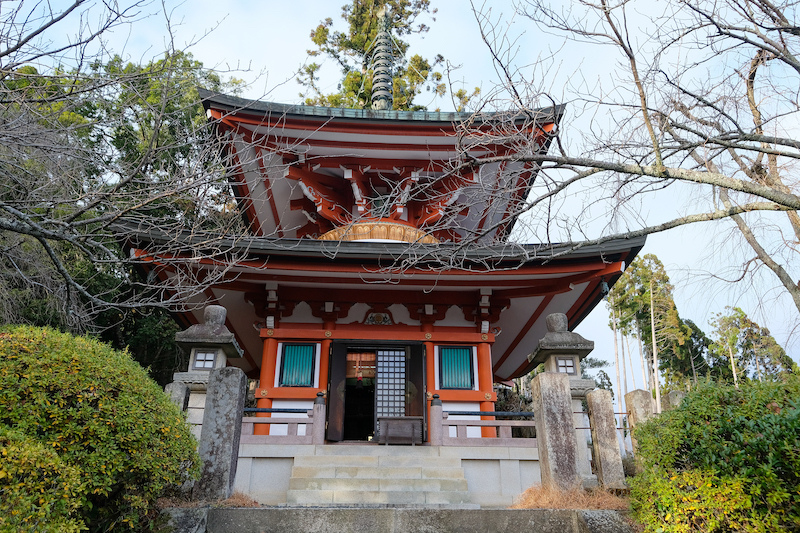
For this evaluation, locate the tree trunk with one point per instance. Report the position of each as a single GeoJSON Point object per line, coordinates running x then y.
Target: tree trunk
{"type": "Point", "coordinates": [616, 359]}
{"type": "Point", "coordinates": [630, 361]}
{"type": "Point", "coordinates": [624, 371]}
{"type": "Point", "coordinates": [733, 367]}
{"type": "Point", "coordinates": [645, 368]}
{"type": "Point", "coordinates": [655, 351]}
{"type": "Point", "coordinates": [758, 369]}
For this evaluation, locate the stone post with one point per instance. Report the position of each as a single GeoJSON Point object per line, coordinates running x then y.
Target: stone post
{"type": "Point", "coordinates": [674, 398]}
{"type": "Point", "coordinates": [435, 422]}
{"type": "Point", "coordinates": [179, 394]}
{"type": "Point", "coordinates": [607, 458]}
{"type": "Point", "coordinates": [222, 429]}
{"type": "Point", "coordinates": [555, 432]}
{"type": "Point", "coordinates": [640, 409]}
{"type": "Point", "coordinates": [318, 435]}
{"type": "Point", "coordinates": [579, 388]}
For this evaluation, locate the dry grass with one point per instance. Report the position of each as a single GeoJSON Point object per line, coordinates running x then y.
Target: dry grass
{"type": "Point", "coordinates": [538, 497]}
{"type": "Point", "coordinates": [238, 500]}
{"type": "Point", "coordinates": [181, 502]}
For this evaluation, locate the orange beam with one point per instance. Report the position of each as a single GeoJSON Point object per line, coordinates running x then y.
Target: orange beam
{"type": "Point", "coordinates": [287, 393]}
{"type": "Point", "coordinates": [368, 333]}
{"type": "Point", "coordinates": [466, 396]}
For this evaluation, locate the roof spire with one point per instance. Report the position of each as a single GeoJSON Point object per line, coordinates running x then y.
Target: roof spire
{"type": "Point", "coordinates": [382, 64]}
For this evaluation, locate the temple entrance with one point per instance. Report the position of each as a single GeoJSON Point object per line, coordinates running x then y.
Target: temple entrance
{"type": "Point", "coordinates": [368, 383]}
{"type": "Point", "coordinates": [359, 396]}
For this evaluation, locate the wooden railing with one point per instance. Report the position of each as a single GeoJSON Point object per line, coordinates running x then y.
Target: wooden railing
{"type": "Point", "coordinates": [440, 424]}
{"type": "Point", "coordinates": [314, 425]}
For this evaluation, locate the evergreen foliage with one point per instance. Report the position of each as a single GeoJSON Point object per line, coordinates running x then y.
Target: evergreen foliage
{"type": "Point", "coordinates": [742, 342]}
{"type": "Point", "coordinates": [38, 491]}
{"type": "Point", "coordinates": [351, 51]}
{"type": "Point", "coordinates": [116, 139]}
{"type": "Point", "coordinates": [726, 459]}
{"type": "Point", "coordinates": [97, 413]}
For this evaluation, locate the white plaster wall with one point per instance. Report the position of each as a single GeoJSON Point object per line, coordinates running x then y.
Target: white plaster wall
{"type": "Point", "coordinates": [472, 432]}
{"type": "Point", "coordinates": [283, 429]}
{"type": "Point", "coordinates": [301, 314]}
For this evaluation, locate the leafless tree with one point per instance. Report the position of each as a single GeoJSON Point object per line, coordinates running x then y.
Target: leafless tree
{"type": "Point", "coordinates": [704, 95]}
{"type": "Point", "coordinates": [89, 148]}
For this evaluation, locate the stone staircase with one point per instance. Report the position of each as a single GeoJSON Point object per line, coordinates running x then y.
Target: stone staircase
{"type": "Point", "coordinates": [357, 475]}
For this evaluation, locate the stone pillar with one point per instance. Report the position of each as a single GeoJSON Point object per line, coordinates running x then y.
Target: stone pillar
{"type": "Point", "coordinates": [555, 432]}
{"type": "Point", "coordinates": [435, 428]}
{"type": "Point", "coordinates": [318, 435]}
{"type": "Point", "coordinates": [674, 398]}
{"type": "Point", "coordinates": [607, 458]}
{"type": "Point", "coordinates": [640, 409]}
{"type": "Point", "coordinates": [179, 394]}
{"type": "Point", "coordinates": [219, 438]}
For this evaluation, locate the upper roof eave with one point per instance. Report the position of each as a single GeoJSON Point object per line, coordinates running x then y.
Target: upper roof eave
{"type": "Point", "coordinates": [259, 107]}
{"type": "Point", "coordinates": [377, 251]}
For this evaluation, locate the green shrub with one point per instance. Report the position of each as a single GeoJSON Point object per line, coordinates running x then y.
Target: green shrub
{"type": "Point", "coordinates": [726, 460]}
{"type": "Point", "coordinates": [99, 412]}
{"type": "Point", "coordinates": [38, 491]}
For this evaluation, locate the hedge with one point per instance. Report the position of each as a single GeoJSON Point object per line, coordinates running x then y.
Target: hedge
{"type": "Point", "coordinates": [726, 459]}
{"type": "Point", "coordinates": [96, 411]}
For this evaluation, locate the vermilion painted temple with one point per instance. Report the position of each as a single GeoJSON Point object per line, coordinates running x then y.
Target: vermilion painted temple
{"type": "Point", "coordinates": [380, 270]}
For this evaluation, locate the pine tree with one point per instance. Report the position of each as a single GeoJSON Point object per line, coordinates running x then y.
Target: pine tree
{"type": "Point", "coordinates": [352, 51]}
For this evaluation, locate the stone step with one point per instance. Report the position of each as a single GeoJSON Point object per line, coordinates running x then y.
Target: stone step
{"type": "Point", "coordinates": [377, 461]}
{"type": "Point", "coordinates": [375, 449]}
{"type": "Point", "coordinates": [386, 472]}
{"type": "Point", "coordinates": [359, 497]}
{"type": "Point", "coordinates": [377, 484]}
{"type": "Point", "coordinates": [377, 475]}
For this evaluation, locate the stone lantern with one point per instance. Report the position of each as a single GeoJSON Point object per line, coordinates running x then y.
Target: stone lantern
{"type": "Point", "coordinates": [211, 345]}
{"type": "Point", "coordinates": [562, 351]}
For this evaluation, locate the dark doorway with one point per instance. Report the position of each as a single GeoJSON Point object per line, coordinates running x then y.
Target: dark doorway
{"type": "Point", "coordinates": [359, 415]}
{"type": "Point", "coordinates": [367, 382]}
{"type": "Point", "coordinates": [359, 395]}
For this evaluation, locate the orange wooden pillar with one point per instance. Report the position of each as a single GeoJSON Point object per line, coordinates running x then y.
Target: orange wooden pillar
{"type": "Point", "coordinates": [325, 357]}
{"type": "Point", "coordinates": [430, 376]}
{"type": "Point", "coordinates": [269, 359]}
{"type": "Point", "coordinates": [430, 383]}
{"type": "Point", "coordinates": [485, 383]}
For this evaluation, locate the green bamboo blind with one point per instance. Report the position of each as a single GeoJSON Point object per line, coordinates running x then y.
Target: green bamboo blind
{"type": "Point", "coordinates": [297, 365]}
{"type": "Point", "coordinates": [455, 367]}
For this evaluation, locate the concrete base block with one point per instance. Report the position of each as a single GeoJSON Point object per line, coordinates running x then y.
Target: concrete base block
{"type": "Point", "coordinates": [406, 520]}
{"type": "Point", "coordinates": [494, 476]}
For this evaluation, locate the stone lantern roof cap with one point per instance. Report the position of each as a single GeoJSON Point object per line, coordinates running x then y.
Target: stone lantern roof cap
{"type": "Point", "coordinates": [559, 341]}
{"type": "Point", "coordinates": [211, 334]}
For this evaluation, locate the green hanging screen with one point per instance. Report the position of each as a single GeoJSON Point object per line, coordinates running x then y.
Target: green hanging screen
{"type": "Point", "coordinates": [455, 367]}
{"type": "Point", "coordinates": [297, 365]}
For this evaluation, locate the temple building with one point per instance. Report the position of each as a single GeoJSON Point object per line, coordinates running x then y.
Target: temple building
{"type": "Point", "coordinates": [379, 276]}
